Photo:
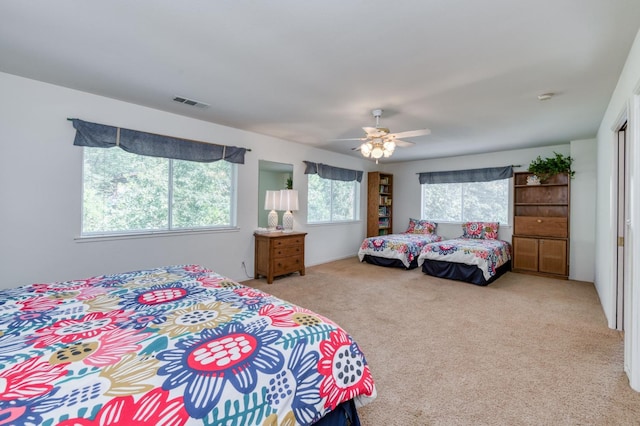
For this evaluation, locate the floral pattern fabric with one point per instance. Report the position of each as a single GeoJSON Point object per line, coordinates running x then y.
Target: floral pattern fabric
{"type": "Point", "coordinates": [404, 247]}
{"type": "Point", "coordinates": [179, 345]}
{"type": "Point", "coordinates": [488, 255]}
{"type": "Point", "coordinates": [482, 230]}
{"type": "Point", "coordinates": [418, 226]}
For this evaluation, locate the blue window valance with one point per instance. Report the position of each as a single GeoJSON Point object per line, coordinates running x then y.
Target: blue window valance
{"type": "Point", "coordinates": [470, 175]}
{"type": "Point", "coordinates": [154, 145]}
{"type": "Point", "coordinates": [333, 173]}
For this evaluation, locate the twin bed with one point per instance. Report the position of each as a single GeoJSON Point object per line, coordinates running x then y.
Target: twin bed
{"type": "Point", "coordinates": [477, 257]}
{"type": "Point", "coordinates": [178, 345]}
{"type": "Point", "coordinates": [399, 250]}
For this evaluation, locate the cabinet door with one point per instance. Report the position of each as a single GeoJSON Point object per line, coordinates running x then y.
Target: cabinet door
{"type": "Point", "coordinates": [541, 226]}
{"type": "Point", "coordinates": [525, 254]}
{"type": "Point", "coordinates": [553, 256]}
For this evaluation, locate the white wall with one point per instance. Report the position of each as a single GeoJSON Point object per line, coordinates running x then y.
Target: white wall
{"type": "Point", "coordinates": [40, 191]}
{"type": "Point", "coordinates": [624, 104]}
{"type": "Point", "coordinates": [407, 200]}
{"type": "Point", "coordinates": [583, 210]}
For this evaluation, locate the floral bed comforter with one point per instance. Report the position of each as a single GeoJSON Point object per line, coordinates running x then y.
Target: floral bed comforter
{"type": "Point", "coordinates": [404, 247]}
{"type": "Point", "coordinates": [170, 346]}
{"type": "Point", "coordinates": [486, 254]}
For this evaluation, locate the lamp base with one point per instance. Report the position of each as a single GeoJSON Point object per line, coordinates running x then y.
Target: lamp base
{"type": "Point", "coordinates": [287, 221]}
{"type": "Point", "coordinates": [272, 220]}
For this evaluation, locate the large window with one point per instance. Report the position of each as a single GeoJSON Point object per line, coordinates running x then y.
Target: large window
{"type": "Point", "coordinates": [129, 193]}
{"type": "Point", "coordinates": [470, 201]}
{"type": "Point", "coordinates": [332, 200]}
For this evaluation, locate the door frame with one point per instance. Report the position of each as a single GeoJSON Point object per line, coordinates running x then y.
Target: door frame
{"type": "Point", "coordinates": [622, 220]}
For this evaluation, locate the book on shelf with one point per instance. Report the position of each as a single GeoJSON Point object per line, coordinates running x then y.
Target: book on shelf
{"type": "Point", "coordinates": [384, 200]}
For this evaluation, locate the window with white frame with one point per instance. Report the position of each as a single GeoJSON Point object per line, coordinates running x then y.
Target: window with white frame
{"type": "Point", "coordinates": [129, 193]}
{"type": "Point", "coordinates": [466, 201]}
{"type": "Point", "coordinates": [332, 200]}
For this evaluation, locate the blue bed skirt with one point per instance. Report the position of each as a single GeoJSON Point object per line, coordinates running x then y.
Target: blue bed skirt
{"type": "Point", "coordinates": [344, 414]}
{"type": "Point", "coordinates": [382, 261]}
{"type": "Point", "coordinates": [461, 272]}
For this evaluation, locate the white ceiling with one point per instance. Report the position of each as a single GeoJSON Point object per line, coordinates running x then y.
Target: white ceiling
{"type": "Point", "coordinates": [312, 71]}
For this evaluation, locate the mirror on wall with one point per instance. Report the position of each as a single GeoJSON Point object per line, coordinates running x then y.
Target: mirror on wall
{"type": "Point", "coordinates": [271, 176]}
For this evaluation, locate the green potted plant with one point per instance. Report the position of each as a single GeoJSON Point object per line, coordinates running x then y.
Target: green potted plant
{"type": "Point", "coordinates": [551, 166]}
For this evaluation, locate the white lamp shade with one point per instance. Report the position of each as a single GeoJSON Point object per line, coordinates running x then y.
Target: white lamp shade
{"type": "Point", "coordinates": [272, 200]}
{"type": "Point", "coordinates": [288, 199]}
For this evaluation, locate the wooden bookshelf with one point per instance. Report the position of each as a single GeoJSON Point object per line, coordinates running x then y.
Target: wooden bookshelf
{"type": "Point", "coordinates": [541, 226]}
{"type": "Point", "coordinates": [379, 204]}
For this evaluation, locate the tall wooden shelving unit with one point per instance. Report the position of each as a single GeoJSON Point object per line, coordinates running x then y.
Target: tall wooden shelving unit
{"type": "Point", "coordinates": [379, 204]}
{"type": "Point", "coordinates": [541, 226]}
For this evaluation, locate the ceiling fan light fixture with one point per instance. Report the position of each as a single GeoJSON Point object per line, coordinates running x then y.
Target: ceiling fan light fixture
{"type": "Point", "coordinates": [377, 152]}
{"type": "Point", "coordinates": [366, 148]}
{"type": "Point", "coordinates": [379, 142]}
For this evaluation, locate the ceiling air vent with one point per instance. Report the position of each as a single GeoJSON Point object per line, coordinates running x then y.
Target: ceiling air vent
{"type": "Point", "coordinates": [191, 102]}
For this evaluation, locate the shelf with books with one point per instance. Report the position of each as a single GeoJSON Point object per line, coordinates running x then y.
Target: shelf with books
{"type": "Point", "coordinates": [379, 204]}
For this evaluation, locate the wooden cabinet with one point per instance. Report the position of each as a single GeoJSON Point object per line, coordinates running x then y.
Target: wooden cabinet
{"type": "Point", "coordinates": [379, 204]}
{"type": "Point", "coordinates": [278, 253]}
{"type": "Point", "coordinates": [541, 226]}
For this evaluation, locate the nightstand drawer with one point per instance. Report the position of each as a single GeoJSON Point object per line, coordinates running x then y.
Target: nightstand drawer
{"type": "Point", "coordinates": [287, 264]}
{"type": "Point", "coordinates": [282, 242]}
{"type": "Point", "coordinates": [287, 251]}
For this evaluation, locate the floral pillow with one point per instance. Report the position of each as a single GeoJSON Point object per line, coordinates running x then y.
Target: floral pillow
{"type": "Point", "coordinates": [417, 226]}
{"type": "Point", "coordinates": [480, 230]}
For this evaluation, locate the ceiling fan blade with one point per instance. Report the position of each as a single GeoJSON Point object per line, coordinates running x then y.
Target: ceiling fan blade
{"type": "Point", "coordinates": [411, 133]}
{"type": "Point", "coordinates": [403, 144]}
{"type": "Point", "coordinates": [376, 132]}
{"type": "Point", "coordinates": [350, 139]}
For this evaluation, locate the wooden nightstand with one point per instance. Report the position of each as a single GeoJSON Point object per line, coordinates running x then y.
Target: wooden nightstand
{"type": "Point", "coordinates": [278, 253]}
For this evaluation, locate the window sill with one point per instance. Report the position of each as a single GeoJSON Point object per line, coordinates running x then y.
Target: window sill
{"type": "Point", "coordinates": [344, 222]}
{"type": "Point", "coordinates": [137, 235]}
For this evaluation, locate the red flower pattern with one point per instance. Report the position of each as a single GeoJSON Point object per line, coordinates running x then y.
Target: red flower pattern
{"type": "Point", "coordinates": [70, 330]}
{"type": "Point", "coordinates": [29, 379]}
{"type": "Point", "coordinates": [152, 409]}
{"type": "Point", "coordinates": [345, 372]}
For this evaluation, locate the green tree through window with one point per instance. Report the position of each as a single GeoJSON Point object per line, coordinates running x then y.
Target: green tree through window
{"type": "Point", "coordinates": [462, 202]}
{"type": "Point", "coordinates": [332, 200]}
{"type": "Point", "coordinates": [124, 193]}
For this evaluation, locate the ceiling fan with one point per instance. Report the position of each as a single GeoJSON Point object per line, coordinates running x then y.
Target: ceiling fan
{"type": "Point", "coordinates": [379, 142]}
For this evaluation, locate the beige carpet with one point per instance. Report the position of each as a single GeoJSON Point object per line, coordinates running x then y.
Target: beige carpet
{"type": "Point", "coordinates": [523, 351]}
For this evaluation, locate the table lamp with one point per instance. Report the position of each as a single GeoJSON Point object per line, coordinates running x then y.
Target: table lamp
{"type": "Point", "coordinates": [288, 202]}
{"type": "Point", "coordinates": [272, 202]}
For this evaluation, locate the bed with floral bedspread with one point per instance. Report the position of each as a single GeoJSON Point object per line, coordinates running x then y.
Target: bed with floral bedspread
{"type": "Point", "coordinates": [475, 260]}
{"type": "Point", "coordinates": [399, 250]}
{"type": "Point", "coordinates": [402, 247]}
{"type": "Point", "coordinates": [173, 346]}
